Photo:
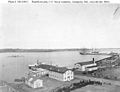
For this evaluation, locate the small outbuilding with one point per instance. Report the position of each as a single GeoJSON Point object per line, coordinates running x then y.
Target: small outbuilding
{"type": "Point", "coordinates": [34, 82]}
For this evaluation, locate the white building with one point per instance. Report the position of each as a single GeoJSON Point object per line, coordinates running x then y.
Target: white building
{"type": "Point", "coordinates": [86, 66]}
{"type": "Point", "coordinates": [34, 82]}
{"type": "Point", "coordinates": [61, 74]}
{"type": "Point", "coordinates": [58, 73]}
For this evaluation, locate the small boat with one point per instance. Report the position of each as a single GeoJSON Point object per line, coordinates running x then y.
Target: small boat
{"type": "Point", "coordinates": [97, 53]}
{"type": "Point", "coordinates": [90, 53]}
{"type": "Point", "coordinates": [93, 52]}
{"type": "Point", "coordinates": [15, 56]}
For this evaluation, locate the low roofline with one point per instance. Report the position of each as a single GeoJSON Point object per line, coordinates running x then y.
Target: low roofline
{"type": "Point", "coordinates": [53, 68]}
{"type": "Point", "coordinates": [86, 63]}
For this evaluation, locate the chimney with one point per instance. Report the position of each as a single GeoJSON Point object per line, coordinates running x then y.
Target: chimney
{"type": "Point", "coordinates": [58, 70]}
{"type": "Point", "coordinates": [38, 62]}
{"type": "Point", "coordinates": [50, 68]}
{"type": "Point", "coordinates": [93, 60]}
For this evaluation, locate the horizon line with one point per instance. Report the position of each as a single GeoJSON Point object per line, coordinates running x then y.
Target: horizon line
{"type": "Point", "coordinates": [62, 48]}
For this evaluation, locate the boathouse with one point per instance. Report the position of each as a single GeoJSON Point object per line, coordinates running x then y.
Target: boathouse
{"type": "Point", "coordinates": [86, 66]}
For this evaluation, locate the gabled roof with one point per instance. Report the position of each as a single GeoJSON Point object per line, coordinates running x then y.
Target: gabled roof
{"type": "Point", "coordinates": [53, 68]}
{"type": "Point", "coordinates": [32, 79]}
{"type": "Point", "coordinates": [85, 63]}
{"type": "Point", "coordinates": [92, 66]}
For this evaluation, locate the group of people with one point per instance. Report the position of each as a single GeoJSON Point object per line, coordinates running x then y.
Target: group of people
{"type": "Point", "coordinates": [77, 85]}
{"type": "Point", "coordinates": [85, 83]}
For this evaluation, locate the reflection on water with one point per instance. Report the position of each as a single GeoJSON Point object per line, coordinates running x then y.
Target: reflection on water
{"type": "Point", "coordinates": [16, 67]}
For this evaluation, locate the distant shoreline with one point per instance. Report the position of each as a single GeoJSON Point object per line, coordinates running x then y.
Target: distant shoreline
{"type": "Point", "coordinates": [49, 50]}
{"type": "Point", "coordinates": [36, 50]}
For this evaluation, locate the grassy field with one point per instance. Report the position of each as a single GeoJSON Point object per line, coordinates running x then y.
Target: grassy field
{"type": "Point", "coordinates": [108, 73]}
{"type": "Point", "coordinates": [48, 85]}
{"type": "Point", "coordinates": [92, 88]}
{"type": "Point", "coordinates": [115, 72]}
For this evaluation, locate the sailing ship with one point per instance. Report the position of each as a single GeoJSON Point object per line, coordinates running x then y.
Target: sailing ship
{"type": "Point", "coordinates": [95, 52]}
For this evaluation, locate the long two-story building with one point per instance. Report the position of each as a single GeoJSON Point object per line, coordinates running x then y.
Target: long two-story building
{"type": "Point", "coordinates": [55, 72]}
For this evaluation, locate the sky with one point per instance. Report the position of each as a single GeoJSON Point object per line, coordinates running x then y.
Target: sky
{"type": "Point", "coordinates": [59, 26]}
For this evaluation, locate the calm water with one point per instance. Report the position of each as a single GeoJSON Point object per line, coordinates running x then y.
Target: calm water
{"type": "Point", "coordinates": [16, 67]}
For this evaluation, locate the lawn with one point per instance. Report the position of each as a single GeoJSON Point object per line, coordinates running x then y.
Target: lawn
{"type": "Point", "coordinates": [93, 88]}
{"type": "Point", "coordinates": [48, 85]}
{"type": "Point", "coordinates": [114, 72]}
{"type": "Point", "coordinates": [109, 73]}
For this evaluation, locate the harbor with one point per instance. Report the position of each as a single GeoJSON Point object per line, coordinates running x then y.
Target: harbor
{"type": "Point", "coordinates": [69, 58]}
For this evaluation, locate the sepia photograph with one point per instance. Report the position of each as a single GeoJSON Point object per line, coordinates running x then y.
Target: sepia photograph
{"type": "Point", "coordinates": [59, 46]}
